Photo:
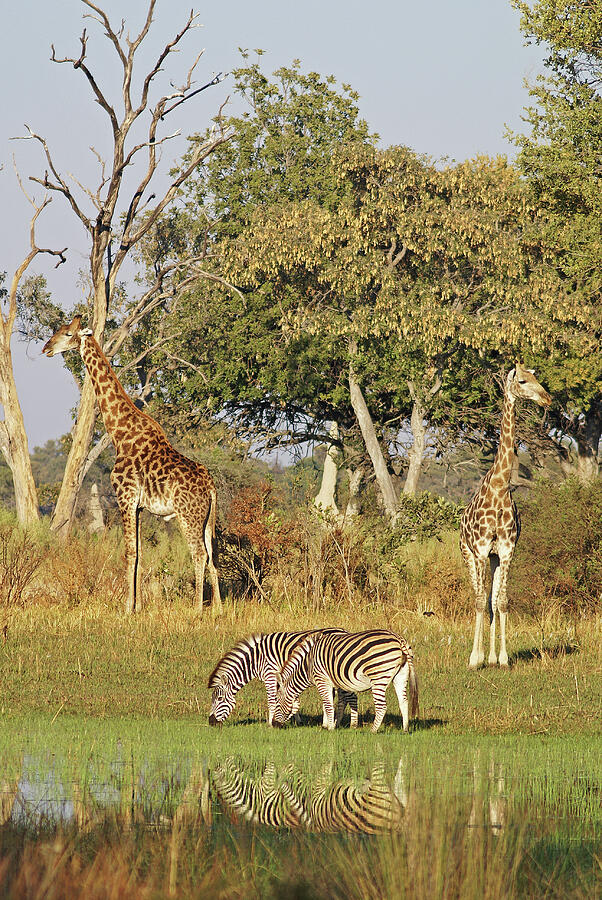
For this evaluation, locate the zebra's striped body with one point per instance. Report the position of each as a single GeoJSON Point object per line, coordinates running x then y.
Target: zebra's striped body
{"type": "Point", "coordinates": [260, 656]}
{"type": "Point", "coordinates": [352, 662]}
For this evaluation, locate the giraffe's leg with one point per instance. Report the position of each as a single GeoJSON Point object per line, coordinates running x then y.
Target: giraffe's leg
{"type": "Point", "coordinates": [130, 515]}
{"type": "Point", "coordinates": [380, 705]}
{"type": "Point", "coordinates": [476, 568]}
{"type": "Point", "coordinates": [494, 563]}
{"type": "Point", "coordinates": [192, 526]}
{"type": "Point", "coordinates": [502, 605]}
{"type": "Point", "coordinates": [208, 543]}
{"type": "Point", "coordinates": [400, 683]}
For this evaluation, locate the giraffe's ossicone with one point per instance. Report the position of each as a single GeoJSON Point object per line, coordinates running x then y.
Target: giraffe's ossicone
{"type": "Point", "coordinates": [490, 526]}
{"type": "Point", "coordinates": [149, 473]}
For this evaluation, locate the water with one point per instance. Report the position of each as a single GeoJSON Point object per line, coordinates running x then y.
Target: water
{"type": "Point", "coordinates": [436, 820]}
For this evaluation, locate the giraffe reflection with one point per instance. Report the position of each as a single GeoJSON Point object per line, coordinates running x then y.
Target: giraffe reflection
{"type": "Point", "coordinates": [489, 800]}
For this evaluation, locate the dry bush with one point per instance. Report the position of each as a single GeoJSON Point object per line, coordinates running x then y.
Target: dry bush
{"type": "Point", "coordinates": [84, 568]}
{"type": "Point", "coordinates": [21, 555]}
{"type": "Point", "coordinates": [326, 561]}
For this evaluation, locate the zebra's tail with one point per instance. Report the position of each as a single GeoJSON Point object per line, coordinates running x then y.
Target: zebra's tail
{"type": "Point", "coordinates": [412, 686]}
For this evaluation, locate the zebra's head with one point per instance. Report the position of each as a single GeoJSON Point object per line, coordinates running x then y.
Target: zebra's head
{"type": "Point", "coordinates": [223, 700]}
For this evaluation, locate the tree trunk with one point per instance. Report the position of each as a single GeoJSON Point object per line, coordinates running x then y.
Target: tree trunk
{"type": "Point", "coordinates": [96, 523]}
{"type": "Point", "coordinates": [325, 499]}
{"type": "Point", "coordinates": [73, 477]}
{"type": "Point", "coordinates": [416, 451]}
{"type": "Point", "coordinates": [364, 420]}
{"type": "Point", "coordinates": [588, 465]}
{"type": "Point", "coordinates": [353, 502]}
{"type": "Point", "coordinates": [13, 438]}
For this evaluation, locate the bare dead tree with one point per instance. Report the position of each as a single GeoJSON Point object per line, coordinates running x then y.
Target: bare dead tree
{"type": "Point", "coordinates": [117, 220]}
{"type": "Point", "coordinates": [13, 437]}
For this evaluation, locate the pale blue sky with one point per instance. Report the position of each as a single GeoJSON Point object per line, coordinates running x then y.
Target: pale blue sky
{"type": "Point", "coordinates": [442, 77]}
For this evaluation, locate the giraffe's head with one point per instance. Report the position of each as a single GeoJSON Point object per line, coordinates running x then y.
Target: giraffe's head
{"type": "Point", "coordinates": [523, 385]}
{"type": "Point", "coordinates": [68, 337]}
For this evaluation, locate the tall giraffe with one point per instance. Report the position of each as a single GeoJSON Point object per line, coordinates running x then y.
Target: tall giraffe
{"type": "Point", "coordinates": [490, 526]}
{"type": "Point", "coordinates": [149, 473]}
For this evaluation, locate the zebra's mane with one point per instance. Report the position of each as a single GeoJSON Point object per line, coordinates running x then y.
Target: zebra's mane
{"type": "Point", "coordinates": [298, 655]}
{"type": "Point", "coordinates": [244, 646]}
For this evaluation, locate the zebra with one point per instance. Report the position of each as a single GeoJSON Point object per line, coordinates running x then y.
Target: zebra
{"type": "Point", "coordinates": [258, 801]}
{"type": "Point", "coordinates": [352, 662]}
{"type": "Point", "coordinates": [261, 656]}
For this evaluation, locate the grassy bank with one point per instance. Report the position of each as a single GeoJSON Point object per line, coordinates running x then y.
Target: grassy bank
{"type": "Point", "coordinates": [92, 661]}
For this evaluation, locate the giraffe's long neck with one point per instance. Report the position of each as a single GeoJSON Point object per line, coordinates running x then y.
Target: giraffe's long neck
{"type": "Point", "coordinates": [118, 411]}
{"type": "Point", "coordinates": [501, 470]}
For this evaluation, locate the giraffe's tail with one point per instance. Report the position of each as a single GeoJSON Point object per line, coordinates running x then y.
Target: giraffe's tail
{"type": "Point", "coordinates": [213, 512]}
{"type": "Point", "coordinates": [414, 708]}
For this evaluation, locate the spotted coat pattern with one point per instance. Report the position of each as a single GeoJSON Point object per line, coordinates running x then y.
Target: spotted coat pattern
{"type": "Point", "coordinates": [490, 525]}
{"type": "Point", "coordinates": [149, 473]}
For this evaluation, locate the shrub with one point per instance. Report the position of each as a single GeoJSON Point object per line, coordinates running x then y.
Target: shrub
{"type": "Point", "coordinates": [85, 568]}
{"type": "Point", "coordinates": [560, 550]}
{"type": "Point", "coordinates": [20, 558]}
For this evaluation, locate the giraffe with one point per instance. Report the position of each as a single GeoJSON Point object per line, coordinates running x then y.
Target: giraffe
{"type": "Point", "coordinates": [149, 473]}
{"type": "Point", "coordinates": [490, 526]}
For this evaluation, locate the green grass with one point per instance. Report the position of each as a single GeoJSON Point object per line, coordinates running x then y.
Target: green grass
{"type": "Point", "coordinates": [92, 661]}
{"type": "Point", "coordinates": [91, 698]}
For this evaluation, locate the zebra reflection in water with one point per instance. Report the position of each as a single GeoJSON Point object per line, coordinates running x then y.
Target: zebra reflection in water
{"type": "Point", "coordinates": [317, 805]}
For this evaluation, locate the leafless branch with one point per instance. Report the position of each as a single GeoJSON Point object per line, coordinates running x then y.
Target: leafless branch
{"type": "Point", "coordinates": [102, 444]}
{"type": "Point", "coordinates": [9, 320]}
{"type": "Point", "coordinates": [61, 186]}
{"type": "Point", "coordinates": [80, 64]}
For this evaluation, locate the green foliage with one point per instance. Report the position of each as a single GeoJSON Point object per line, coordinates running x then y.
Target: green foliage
{"type": "Point", "coordinates": [424, 516]}
{"type": "Point", "coordinates": [560, 158]}
{"type": "Point", "coordinates": [559, 554]}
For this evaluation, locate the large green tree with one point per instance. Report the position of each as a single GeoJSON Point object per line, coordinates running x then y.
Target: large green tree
{"type": "Point", "coordinates": [229, 354]}
{"type": "Point", "coordinates": [421, 275]}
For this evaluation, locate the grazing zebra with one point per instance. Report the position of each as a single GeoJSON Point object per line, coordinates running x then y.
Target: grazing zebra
{"type": "Point", "coordinates": [260, 802]}
{"type": "Point", "coordinates": [353, 662]}
{"type": "Point", "coordinates": [261, 656]}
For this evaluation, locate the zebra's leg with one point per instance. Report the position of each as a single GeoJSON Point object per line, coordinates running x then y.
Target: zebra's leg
{"type": "Point", "coordinates": [352, 700]}
{"type": "Point", "coordinates": [340, 707]}
{"type": "Point", "coordinates": [295, 712]}
{"type": "Point", "coordinates": [400, 683]}
{"type": "Point", "coordinates": [271, 689]}
{"type": "Point", "coordinates": [326, 692]}
{"type": "Point", "coordinates": [380, 704]}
